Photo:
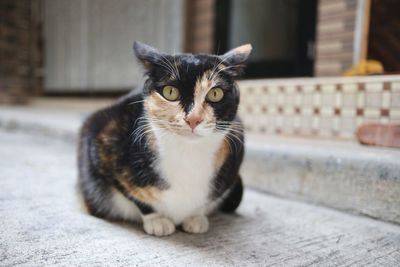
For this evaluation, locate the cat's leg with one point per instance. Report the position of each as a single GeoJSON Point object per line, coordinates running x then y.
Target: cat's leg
{"type": "Point", "coordinates": [123, 208]}
{"type": "Point", "coordinates": [199, 223]}
{"type": "Point", "coordinates": [105, 201]}
{"type": "Point", "coordinates": [196, 224]}
{"type": "Point", "coordinates": [115, 206]}
{"type": "Point", "coordinates": [97, 196]}
{"type": "Point", "coordinates": [234, 197]}
{"type": "Point", "coordinates": [133, 209]}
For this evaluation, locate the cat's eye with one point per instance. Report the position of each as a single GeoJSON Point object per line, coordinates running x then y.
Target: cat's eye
{"type": "Point", "coordinates": [170, 93]}
{"type": "Point", "coordinates": [215, 94]}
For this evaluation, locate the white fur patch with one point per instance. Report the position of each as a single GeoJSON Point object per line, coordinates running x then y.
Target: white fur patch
{"type": "Point", "coordinates": [123, 208]}
{"type": "Point", "coordinates": [196, 224]}
{"type": "Point", "coordinates": [187, 165]}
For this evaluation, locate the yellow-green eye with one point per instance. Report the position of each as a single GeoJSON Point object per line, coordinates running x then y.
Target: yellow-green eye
{"type": "Point", "coordinates": [170, 93]}
{"type": "Point", "coordinates": [215, 94]}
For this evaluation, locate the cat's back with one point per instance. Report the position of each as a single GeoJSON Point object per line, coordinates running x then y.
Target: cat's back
{"type": "Point", "coordinates": [123, 112]}
{"type": "Point", "coordinates": [106, 132]}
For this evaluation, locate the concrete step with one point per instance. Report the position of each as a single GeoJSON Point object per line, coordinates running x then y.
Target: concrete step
{"type": "Point", "coordinates": [338, 174]}
{"type": "Point", "coordinates": [42, 224]}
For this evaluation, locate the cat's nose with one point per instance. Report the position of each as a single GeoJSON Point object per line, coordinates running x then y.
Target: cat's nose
{"type": "Point", "coordinates": [193, 121]}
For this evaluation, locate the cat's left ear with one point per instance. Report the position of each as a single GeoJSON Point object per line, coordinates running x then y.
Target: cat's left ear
{"type": "Point", "coordinates": [149, 56]}
{"type": "Point", "coordinates": [236, 59]}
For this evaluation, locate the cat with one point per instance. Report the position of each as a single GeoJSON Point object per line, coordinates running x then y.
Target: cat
{"type": "Point", "coordinates": [169, 155]}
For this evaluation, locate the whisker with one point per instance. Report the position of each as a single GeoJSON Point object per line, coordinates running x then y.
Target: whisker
{"type": "Point", "coordinates": [175, 71]}
{"type": "Point", "coordinates": [176, 68]}
{"type": "Point", "coordinates": [219, 64]}
{"type": "Point", "coordinates": [235, 137]}
{"type": "Point", "coordinates": [230, 122]}
{"type": "Point", "coordinates": [167, 67]}
{"type": "Point", "coordinates": [228, 67]}
{"type": "Point", "coordinates": [231, 142]}
{"type": "Point", "coordinates": [233, 131]}
{"type": "Point", "coordinates": [143, 134]}
{"type": "Point", "coordinates": [140, 132]}
{"type": "Point", "coordinates": [234, 127]}
{"type": "Point", "coordinates": [132, 103]}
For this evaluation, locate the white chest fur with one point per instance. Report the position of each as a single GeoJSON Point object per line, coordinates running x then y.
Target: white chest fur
{"type": "Point", "coordinates": [188, 167]}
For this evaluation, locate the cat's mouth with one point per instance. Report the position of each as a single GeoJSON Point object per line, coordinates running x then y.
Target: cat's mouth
{"type": "Point", "coordinates": [189, 133]}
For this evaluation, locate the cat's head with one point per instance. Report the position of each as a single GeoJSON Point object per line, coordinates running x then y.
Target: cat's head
{"type": "Point", "coordinates": [191, 95]}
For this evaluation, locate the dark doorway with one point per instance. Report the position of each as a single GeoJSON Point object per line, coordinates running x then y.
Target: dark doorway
{"type": "Point", "coordinates": [384, 34]}
{"type": "Point", "coordinates": [282, 34]}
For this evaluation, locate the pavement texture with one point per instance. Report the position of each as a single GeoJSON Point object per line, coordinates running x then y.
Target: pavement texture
{"type": "Point", "coordinates": [42, 224]}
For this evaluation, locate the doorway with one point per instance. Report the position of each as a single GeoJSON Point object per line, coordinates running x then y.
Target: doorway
{"type": "Point", "coordinates": [282, 34]}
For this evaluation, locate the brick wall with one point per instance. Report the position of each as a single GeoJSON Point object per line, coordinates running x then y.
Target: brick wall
{"type": "Point", "coordinates": [199, 26]}
{"type": "Point", "coordinates": [20, 50]}
{"type": "Point", "coordinates": [335, 36]}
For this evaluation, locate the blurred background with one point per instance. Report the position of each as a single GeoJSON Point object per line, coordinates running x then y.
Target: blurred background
{"type": "Point", "coordinates": [83, 48]}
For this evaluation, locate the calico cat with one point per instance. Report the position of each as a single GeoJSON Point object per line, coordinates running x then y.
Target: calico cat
{"type": "Point", "coordinates": [170, 154]}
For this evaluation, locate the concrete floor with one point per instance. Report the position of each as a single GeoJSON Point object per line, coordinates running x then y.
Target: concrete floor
{"type": "Point", "coordinates": [42, 224]}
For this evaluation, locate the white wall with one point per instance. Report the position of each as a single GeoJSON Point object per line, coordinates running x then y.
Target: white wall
{"type": "Point", "coordinates": [88, 43]}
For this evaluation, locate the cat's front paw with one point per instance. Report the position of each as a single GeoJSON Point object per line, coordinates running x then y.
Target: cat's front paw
{"type": "Point", "coordinates": [158, 225]}
{"type": "Point", "coordinates": [196, 224]}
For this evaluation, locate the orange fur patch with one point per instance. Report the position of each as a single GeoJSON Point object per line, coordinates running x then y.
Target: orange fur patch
{"type": "Point", "coordinates": [222, 154]}
{"type": "Point", "coordinates": [162, 109]}
{"type": "Point", "coordinates": [106, 142]}
{"type": "Point", "coordinates": [106, 133]}
{"type": "Point", "coordinates": [166, 114]}
{"type": "Point", "coordinates": [147, 194]}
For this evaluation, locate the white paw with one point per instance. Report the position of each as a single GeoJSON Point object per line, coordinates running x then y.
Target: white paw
{"type": "Point", "coordinates": [196, 224]}
{"type": "Point", "coordinates": [158, 225]}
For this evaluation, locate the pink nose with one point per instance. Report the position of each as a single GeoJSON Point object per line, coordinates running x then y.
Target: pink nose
{"type": "Point", "coordinates": [193, 121]}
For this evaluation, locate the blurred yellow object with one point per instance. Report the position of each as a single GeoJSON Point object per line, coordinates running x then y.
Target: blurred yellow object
{"type": "Point", "coordinates": [365, 67]}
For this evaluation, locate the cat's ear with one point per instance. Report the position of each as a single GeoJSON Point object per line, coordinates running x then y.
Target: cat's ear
{"type": "Point", "coordinates": [236, 59]}
{"type": "Point", "coordinates": [148, 56]}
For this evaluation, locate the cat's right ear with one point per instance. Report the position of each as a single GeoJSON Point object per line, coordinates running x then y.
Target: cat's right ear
{"type": "Point", "coordinates": [147, 55]}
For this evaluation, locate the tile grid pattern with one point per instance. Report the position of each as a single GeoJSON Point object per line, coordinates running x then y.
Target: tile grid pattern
{"type": "Point", "coordinates": [318, 108]}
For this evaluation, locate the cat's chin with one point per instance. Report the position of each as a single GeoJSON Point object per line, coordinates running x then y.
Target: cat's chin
{"type": "Point", "coordinates": [191, 136]}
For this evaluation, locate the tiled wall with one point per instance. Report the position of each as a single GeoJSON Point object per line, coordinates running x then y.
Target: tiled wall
{"type": "Point", "coordinates": [326, 107]}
